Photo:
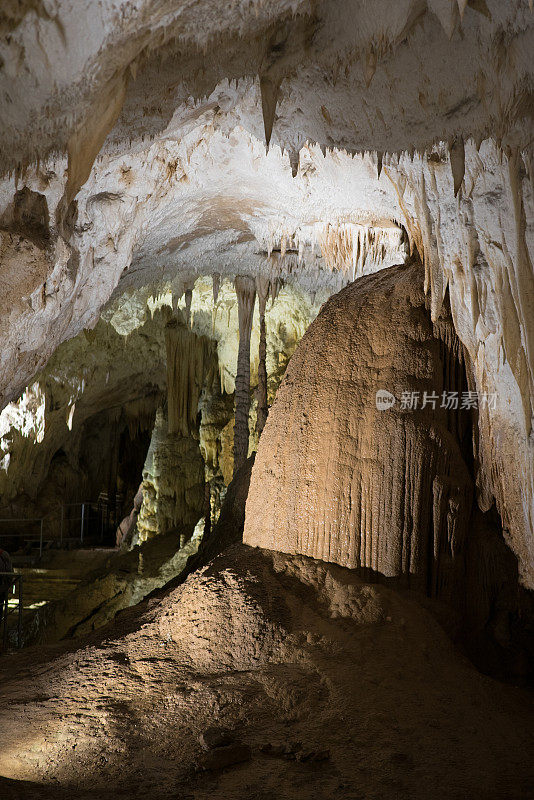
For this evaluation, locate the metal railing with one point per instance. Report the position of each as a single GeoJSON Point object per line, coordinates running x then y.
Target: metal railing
{"type": "Point", "coordinates": [10, 579]}
{"type": "Point", "coordinates": [93, 520]}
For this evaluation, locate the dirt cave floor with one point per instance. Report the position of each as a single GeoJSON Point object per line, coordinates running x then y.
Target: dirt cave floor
{"type": "Point", "coordinates": [263, 676]}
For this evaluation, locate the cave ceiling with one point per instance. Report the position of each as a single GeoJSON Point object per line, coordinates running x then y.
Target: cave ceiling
{"type": "Point", "coordinates": [134, 155]}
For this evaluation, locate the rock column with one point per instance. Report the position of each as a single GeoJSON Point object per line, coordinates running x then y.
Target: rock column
{"type": "Point", "coordinates": [246, 296]}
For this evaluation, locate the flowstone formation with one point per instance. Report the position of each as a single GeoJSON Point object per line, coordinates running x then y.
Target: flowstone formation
{"type": "Point", "coordinates": [367, 456]}
{"type": "Point", "coordinates": [339, 478]}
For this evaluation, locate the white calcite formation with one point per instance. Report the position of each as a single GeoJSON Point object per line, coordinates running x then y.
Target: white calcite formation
{"type": "Point", "coordinates": [173, 482]}
{"type": "Point", "coordinates": [133, 158]}
{"type": "Point", "coordinates": [58, 441]}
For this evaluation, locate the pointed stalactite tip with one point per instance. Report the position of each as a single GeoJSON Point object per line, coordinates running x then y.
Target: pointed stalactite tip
{"type": "Point", "coordinates": [269, 89]}
{"type": "Point", "coordinates": [457, 156]}
{"type": "Point", "coordinates": [294, 160]}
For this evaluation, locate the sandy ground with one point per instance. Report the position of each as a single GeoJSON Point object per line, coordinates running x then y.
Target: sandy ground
{"type": "Point", "coordinates": [329, 687]}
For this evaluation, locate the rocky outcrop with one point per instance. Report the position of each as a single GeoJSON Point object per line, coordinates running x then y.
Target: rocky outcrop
{"type": "Point", "coordinates": [330, 687]}
{"type": "Point", "coordinates": [121, 580]}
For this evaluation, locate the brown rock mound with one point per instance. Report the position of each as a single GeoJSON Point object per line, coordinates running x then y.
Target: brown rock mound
{"type": "Point", "coordinates": [328, 687]}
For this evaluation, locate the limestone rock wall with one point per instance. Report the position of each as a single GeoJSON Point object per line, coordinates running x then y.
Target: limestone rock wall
{"type": "Point", "coordinates": [76, 431]}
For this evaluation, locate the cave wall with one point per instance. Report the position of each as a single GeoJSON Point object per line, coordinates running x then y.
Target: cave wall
{"type": "Point", "coordinates": [84, 427]}
{"type": "Point", "coordinates": [473, 224]}
{"type": "Point", "coordinates": [67, 438]}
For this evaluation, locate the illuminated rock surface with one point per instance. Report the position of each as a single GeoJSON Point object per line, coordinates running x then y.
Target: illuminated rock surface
{"type": "Point", "coordinates": [338, 687]}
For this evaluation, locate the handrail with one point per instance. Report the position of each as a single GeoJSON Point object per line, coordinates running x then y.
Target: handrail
{"type": "Point", "coordinates": [104, 509]}
{"type": "Point", "coordinates": [97, 503]}
{"type": "Point", "coordinates": [15, 577]}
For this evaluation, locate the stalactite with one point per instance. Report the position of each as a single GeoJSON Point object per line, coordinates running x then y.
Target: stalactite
{"type": "Point", "coordinates": [188, 301]}
{"type": "Point", "coordinates": [262, 286]}
{"type": "Point", "coordinates": [189, 359]}
{"type": "Point", "coordinates": [457, 156]}
{"type": "Point", "coordinates": [274, 289]}
{"type": "Point", "coordinates": [269, 89]}
{"type": "Point", "coordinates": [246, 296]}
{"type": "Point", "coordinates": [140, 413]}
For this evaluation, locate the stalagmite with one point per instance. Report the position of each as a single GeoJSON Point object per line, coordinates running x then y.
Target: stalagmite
{"type": "Point", "coordinates": [262, 287]}
{"type": "Point", "coordinates": [246, 296]}
{"type": "Point", "coordinates": [173, 489]}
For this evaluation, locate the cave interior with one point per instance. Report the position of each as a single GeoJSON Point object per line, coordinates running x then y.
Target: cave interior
{"type": "Point", "coordinates": [267, 399]}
